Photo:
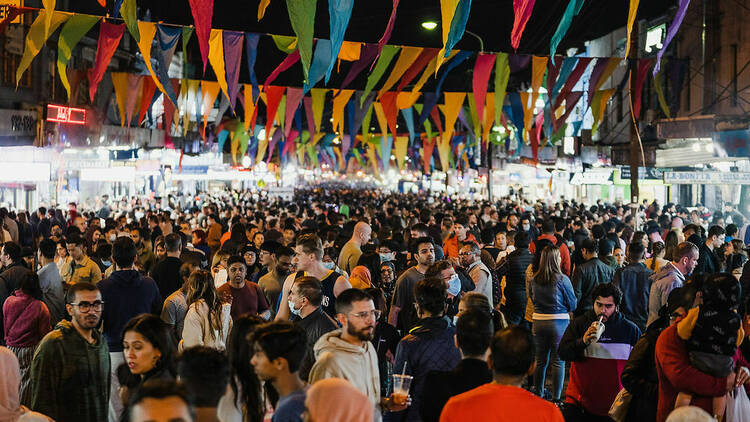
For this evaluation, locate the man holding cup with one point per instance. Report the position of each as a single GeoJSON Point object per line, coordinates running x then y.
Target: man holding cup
{"type": "Point", "coordinates": [598, 344]}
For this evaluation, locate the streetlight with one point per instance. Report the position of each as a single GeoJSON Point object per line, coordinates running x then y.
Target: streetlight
{"type": "Point", "coordinates": [429, 25]}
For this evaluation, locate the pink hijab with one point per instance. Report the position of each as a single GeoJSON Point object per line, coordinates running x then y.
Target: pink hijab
{"type": "Point", "coordinates": [10, 378]}
{"type": "Point", "coordinates": [356, 407]}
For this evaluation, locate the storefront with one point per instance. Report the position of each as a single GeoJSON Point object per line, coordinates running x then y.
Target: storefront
{"type": "Point", "coordinates": [650, 183]}
{"type": "Point", "coordinates": [711, 188]}
{"type": "Point", "coordinates": [596, 184]}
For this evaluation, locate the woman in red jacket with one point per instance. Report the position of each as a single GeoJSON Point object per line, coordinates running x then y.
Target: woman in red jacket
{"type": "Point", "coordinates": [25, 321]}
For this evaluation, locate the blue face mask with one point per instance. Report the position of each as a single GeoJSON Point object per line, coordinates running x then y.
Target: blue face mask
{"type": "Point", "coordinates": [454, 285]}
{"type": "Point", "coordinates": [329, 265]}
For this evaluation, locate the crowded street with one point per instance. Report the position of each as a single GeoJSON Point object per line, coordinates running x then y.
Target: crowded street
{"type": "Point", "coordinates": [329, 211]}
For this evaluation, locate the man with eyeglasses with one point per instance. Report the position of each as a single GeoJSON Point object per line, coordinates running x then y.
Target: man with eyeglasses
{"type": "Point", "coordinates": [347, 353]}
{"type": "Point", "coordinates": [70, 376]}
{"type": "Point", "coordinates": [479, 273]}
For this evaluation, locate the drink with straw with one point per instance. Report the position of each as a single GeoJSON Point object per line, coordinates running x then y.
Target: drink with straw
{"type": "Point", "coordinates": [599, 328]}
{"type": "Point", "coordinates": [401, 385]}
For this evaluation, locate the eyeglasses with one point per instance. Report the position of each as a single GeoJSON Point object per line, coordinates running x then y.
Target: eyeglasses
{"type": "Point", "coordinates": [375, 314]}
{"type": "Point", "coordinates": [86, 306]}
{"type": "Point", "coordinates": [466, 253]}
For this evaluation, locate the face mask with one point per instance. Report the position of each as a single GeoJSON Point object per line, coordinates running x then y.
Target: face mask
{"type": "Point", "coordinates": [526, 227]}
{"type": "Point", "coordinates": [454, 285]}
{"type": "Point", "coordinates": [385, 257]}
{"type": "Point", "coordinates": [220, 278]}
{"type": "Point", "coordinates": [138, 215]}
{"type": "Point", "coordinates": [296, 312]}
{"type": "Point", "coordinates": [106, 263]}
{"type": "Point", "coordinates": [112, 237]}
{"type": "Point", "coordinates": [329, 265]}
{"type": "Point", "coordinates": [455, 319]}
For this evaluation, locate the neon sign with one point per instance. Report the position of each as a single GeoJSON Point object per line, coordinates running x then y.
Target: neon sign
{"type": "Point", "coordinates": [63, 114]}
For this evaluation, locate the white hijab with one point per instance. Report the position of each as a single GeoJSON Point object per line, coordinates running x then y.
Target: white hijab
{"type": "Point", "coordinates": [10, 378]}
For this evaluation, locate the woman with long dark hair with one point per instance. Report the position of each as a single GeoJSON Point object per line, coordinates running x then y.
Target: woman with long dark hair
{"type": "Point", "coordinates": [149, 350]}
{"type": "Point", "coordinates": [208, 319]}
{"type": "Point", "coordinates": [371, 261]}
{"type": "Point", "coordinates": [244, 401]}
{"type": "Point", "coordinates": [26, 321]}
{"type": "Point", "coordinates": [554, 301]}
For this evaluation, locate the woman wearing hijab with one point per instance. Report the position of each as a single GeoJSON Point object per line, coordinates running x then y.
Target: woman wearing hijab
{"type": "Point", "coordinates": [356, 407]}
{"type": "Point", "coordinates": [10, 404]}
{"type": "Point", "coordinates": [360, 277]}
{"type": "Point", "coordinates": [250, 254]}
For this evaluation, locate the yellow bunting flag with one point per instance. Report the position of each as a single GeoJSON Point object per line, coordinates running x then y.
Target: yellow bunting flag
{"type": "Point", "coordinates": [249, 107]}
{"type": "Point", "coordinates": [148, 31]}
{"type": "Point", "coordinates": [373, 159]}
{"type": "Point", "coordinates": [262, 146]}
{"type": "Point", "coordinates": [632, 12]}
{"type": "Point", "coordinates": [608, 71]}
{"type": "Point", "coordinates": [444, 151]}
{"type": "Point", "coordinates": [598, 105]}
{"type": "Point", "coordinates": [405, 59]}
{"type": "Point", "coordinates": [210, 91]}
{"type": "Point", "coordinates": [120, 83]}
{"type": "Point", "coordinates": [489, 115]}
{"type": "Point", "coordinates": [262, 8]}
{"type": "Point", "coordinates": [538, 67]}
{"type": "Point", "coordinates": [49, 8]}
{"type": "Point", "coordinates": [400, 145]}
{"type": "Point", "coordinates": [37, 36]}
{"type": "Point", "coordinates": [406, 102]}
{"type": "Point", "coordinates": [285, 43]}
{"type": "Point", "coordinates": [216, 58]}
{"type": "Point", "coordinates": [453, 103]}
{"type": "Point", "coordinates": [528, 113]}
{"type": "Point", "coordinates": [339, 102]}
{"type": "Point", "coordinates": [71, 33]}
{"type": "Point", "coordinates": [382, 120]}
{"type": "Point", "coordinates": [318, 101]}
{"type": "Point", "coordinates": [447, 10]}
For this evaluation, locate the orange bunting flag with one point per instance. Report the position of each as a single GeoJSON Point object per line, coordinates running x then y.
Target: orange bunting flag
{"type": "Point", "coordinates": [390, 109]}
{"type": "Point", "coordinates": [339, 102]}
{"type": "Point", "coordinates": [405, 59]}
{"type": "Point", "coordinates": [120, 83]}
{"type": "Point", "coordinates": [135, 85]}
{"type": "Point", "coordinates": [251, 112]}
{"type": "Point", "coordinates": [453, 103]}
{"type": "Point", "coordinates": [210, 90]}
{"type": "Point", "coordinates": [216, 58]}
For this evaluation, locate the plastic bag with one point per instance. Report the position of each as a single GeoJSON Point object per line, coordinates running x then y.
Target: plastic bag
{"type": "Point", "coordinates": [620, 406]}
{"type": "Point", "coordinates": [738, 406]}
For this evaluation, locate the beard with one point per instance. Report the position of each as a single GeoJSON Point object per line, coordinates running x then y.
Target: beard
{"type": "Point", "coordinates": [364, 334]}
{"type": "Point", "coordinates": [88, 320]}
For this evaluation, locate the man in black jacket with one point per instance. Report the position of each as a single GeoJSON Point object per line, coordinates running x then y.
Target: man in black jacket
{"type": "Point", "coordinates": [708, 260]}
{"type": "Point", "coordinates": [635, 282]}
{"type": "Point", "coordinates": [513, 268]}
{"type": "Point", "coordinates": [588, 275]}
{"type": "Point", "coordinates": [304, 304]}
{"type": "Point", "coordinates": [473, 336]}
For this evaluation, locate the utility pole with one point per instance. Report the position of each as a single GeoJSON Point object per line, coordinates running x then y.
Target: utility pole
{"type": "Point", "coordinates": [635, 147]}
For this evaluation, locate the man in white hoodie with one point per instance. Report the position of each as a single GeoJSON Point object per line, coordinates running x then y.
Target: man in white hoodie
{"type": "Point", "coordinates": [348, 353]}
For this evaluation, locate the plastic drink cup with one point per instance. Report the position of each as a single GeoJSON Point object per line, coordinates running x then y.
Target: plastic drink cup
{"type": "Point", "coordinates": [599, 328]}
{"type": "Point", "coordinates": [401, 385]}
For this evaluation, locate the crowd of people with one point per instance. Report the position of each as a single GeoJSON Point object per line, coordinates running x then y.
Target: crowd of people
{"type": "Point", "coordinates": [359, 305]}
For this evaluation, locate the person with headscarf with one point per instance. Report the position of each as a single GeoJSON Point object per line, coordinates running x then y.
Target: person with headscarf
{"type": "Point", "coordinates": [356, 407]}
{"type": "Point", "coordinates": [360, 277]}
{"type": "Point", "coordinates": [10, 403]}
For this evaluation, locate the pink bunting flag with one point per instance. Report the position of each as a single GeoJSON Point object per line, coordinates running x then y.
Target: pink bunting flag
{"type": "Point", "coordinates": [203, 12]}
{"type": "Point", "coordinates": [109, 38]}
{"type": "Point", "coordinates": [135, 84]}
{"type": "Point", "coordinates": [388, 29]}
{"type": "Point", "coordinates": [309, 115]}
{"type": "Point", "coordinates": [293, 98]}
{"type": "Point", "coordinates": [482, 70]}
{"type": "Point", "coordinates": [522, 10]}
{"type": "Point", "coordinates": [290, 60]}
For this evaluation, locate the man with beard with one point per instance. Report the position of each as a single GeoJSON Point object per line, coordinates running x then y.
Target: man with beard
{"type": "Point", "coordinates": [81, 268]}
{"type": "Point", "coordinates": [347, 353]}
{"type": "Point", "coordinates": [146, 258]}
{"type": "Point", "coordinates": [70, 371]}
{"type": "Point", "coordinates": [271, 283]}
{"type": "Point", "coordinates": [402, 314]}
{"type": "Point", "coordinates": [247, 296]}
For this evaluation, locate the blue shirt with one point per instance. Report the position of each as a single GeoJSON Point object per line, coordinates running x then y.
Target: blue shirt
{"type": "Point", "coordinates": [290, 407]}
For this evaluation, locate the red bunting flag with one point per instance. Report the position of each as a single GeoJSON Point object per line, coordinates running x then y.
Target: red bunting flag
{"type": "Point", "coordinates": [284, 65]}
{"type": "Point", "coordinates": [203, 12]}
{"type": "Point", "coordinates": [293, 99]}
{"type": "Point", "coordinates": [149, 87]}
{"type": "Point", "coordinates": [522, 10]}
{"type": "Point", "coordinates": [109, 39]}
{"type": "Point", "coordinates": [429, 148]}
{"type": "Point", "coordinates": [643, 66]}
{"type": "Point", "coordinates": [273, 99]}
{"type": "Point", "coordinates": [482, 70]}
{"type": "Point", "coordinates": [389, 28]}
{"type": "Point", "coordinates": [388, 100]}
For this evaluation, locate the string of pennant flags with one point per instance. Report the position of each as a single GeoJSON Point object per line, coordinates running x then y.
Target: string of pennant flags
{"type": "Point", "coordinates": [286, 106]}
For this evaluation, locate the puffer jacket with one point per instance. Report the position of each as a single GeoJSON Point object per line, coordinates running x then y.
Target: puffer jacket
{"type": "Point", "coordinates": [513, 268]}
{"type": "Point", "coordinates": [587, 276]}
{"type": "Point", "coordinates": [635, 282]}
{"type": "Point", "coordinates": [336, 358]}
{"type": "Point", "coordinates": [429, 346]}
